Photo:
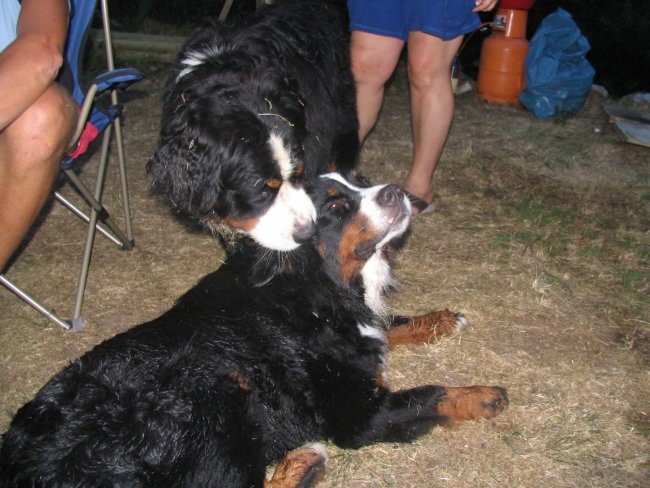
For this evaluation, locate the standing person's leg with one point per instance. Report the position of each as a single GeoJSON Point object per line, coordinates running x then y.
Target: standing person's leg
{"type": "Point", "coordinates": [373, 59]}
{"type": "Point", "coordinates": [31, 148]}
{"type": "Point", "coordinates": [432, 106]}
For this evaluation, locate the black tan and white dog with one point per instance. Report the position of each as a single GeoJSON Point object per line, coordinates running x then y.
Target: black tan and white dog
{"type": "Point", "coordinates": [252, 108]}
{"type": "Point", "coordinates": [271, 352]}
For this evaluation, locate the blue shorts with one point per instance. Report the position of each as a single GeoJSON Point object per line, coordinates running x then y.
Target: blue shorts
{"type": "Point", "coordinates": [446, 19]}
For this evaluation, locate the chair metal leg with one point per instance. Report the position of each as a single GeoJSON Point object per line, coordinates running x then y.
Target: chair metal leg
{"type": "Point", "coordinates": [70, 325]}
{"type": "Point", "coordinates": [126, 206]}
{"type": "Point", "coordinates": [225, 10]}
{"type": "Point", "coordinates": [118, 237]}
{"type": "Point", "coordinates": [83, 216]}
{"type": "Point", "coordinates": [92, 224]}
{"type": "Point", "coordinates": [97, 213]}
{"type": "Point", "coordinates": [117, 124]}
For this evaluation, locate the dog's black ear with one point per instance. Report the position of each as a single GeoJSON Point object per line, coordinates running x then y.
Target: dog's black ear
{"type": "Point", "coordinates": [345, 152]}
{"type": "Point", "coordinates": [186, 168]}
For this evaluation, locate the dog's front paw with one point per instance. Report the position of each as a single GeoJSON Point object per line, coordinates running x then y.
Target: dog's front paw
{"type": "Point", "coordinates": [472, 402]}
{"type": "Point", "coordinates": [425, 328]}
{"type": "Point", "coordinates": [300, 468]}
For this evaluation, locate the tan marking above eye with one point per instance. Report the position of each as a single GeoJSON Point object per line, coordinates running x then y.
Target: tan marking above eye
{"type": "Point", "coordinates": [333, 192]}
{"type": "Point", "coordinates": [273, 183]}
{"type": "Point", "coordinates": [300, 169]}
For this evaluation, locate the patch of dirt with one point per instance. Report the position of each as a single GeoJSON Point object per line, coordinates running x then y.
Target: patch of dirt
{"type": "Point", "coordinates": [541, 238]}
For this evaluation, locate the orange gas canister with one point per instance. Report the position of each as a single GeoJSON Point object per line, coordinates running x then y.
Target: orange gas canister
{"type": "Point", "coordinates": [501, 72]}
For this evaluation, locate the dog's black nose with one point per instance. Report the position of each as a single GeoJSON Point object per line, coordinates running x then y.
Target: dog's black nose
{"type": "Point", "coordinates": [304, 232]}
{"type": "Point", "coordinates": [390, 196]}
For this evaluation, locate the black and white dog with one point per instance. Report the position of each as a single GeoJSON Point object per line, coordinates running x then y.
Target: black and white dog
{"type": "Point", "coordinates": [271, 351]}
{"type": "Point", "coordinates": [252, 108]}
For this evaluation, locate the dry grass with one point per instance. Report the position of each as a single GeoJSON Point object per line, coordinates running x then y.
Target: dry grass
{"type": "Point", "coordinates": [541, 238]}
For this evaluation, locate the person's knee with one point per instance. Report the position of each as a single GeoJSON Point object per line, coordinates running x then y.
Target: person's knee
{"type": "Point", "coordinates": [39, 137]}
{"type": "Point", "coordinates": [429, 61]}
{"type": "Point", "coordinates": [371, 71]}
{"type": "Point", "coordinates": [53, 115]}
{"type": "Point", "coordinates": [425, 73]}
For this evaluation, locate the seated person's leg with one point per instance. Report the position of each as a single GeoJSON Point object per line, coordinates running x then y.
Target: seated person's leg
{"type": "Point", "coordinates": [31, 148]}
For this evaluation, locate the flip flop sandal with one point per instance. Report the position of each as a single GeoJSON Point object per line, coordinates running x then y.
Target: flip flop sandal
{"type": "Point", "coordinates": [420, 205]}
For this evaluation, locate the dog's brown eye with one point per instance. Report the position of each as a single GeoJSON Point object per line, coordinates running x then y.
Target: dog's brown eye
{"type": "Point", "coordinates": [273, 183]}
{"type": "Point", "coordinates": [340, 204]}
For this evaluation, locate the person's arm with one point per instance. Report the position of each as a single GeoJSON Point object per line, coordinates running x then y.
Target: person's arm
{"type": "Point", "coordinates": [31, 63]}
{"type": "Point", "coordinates": [484, 5]}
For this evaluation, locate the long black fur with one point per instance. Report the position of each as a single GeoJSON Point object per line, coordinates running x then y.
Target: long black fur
{"type": "Point", "coordinates": [284, 71]}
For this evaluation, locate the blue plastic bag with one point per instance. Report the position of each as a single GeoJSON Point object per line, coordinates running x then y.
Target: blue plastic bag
{"type": "Point", "coordinates": [558, 75]}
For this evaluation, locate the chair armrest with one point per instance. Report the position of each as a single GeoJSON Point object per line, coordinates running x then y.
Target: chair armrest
{"type": "Point", "coordinates": [118, 78]}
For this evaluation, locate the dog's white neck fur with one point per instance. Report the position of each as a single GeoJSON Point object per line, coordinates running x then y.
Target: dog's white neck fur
{"type": "Point", "coordinates": [377, 279]}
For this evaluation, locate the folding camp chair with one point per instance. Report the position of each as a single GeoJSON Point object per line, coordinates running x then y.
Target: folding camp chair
{"type": "Point", "coordinates": [94, 120]}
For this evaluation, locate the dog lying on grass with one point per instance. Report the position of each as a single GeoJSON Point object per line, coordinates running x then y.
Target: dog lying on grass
{"type": "Point", "coordinates": [271, 352]}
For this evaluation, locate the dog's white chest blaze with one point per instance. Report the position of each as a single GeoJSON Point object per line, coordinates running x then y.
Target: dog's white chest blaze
{"type": "Point", "coordinates": [377, 279]}
{"type": "Point", "coordinates": [291, 209]}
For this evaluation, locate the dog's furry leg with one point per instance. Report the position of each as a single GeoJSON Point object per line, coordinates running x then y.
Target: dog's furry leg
{"type": "Point", "coordinates": [300, 468]}
{"type": "Point", "coordinates": [425, 328]}
{"type": "Point", "coordinates": [405, 415]}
